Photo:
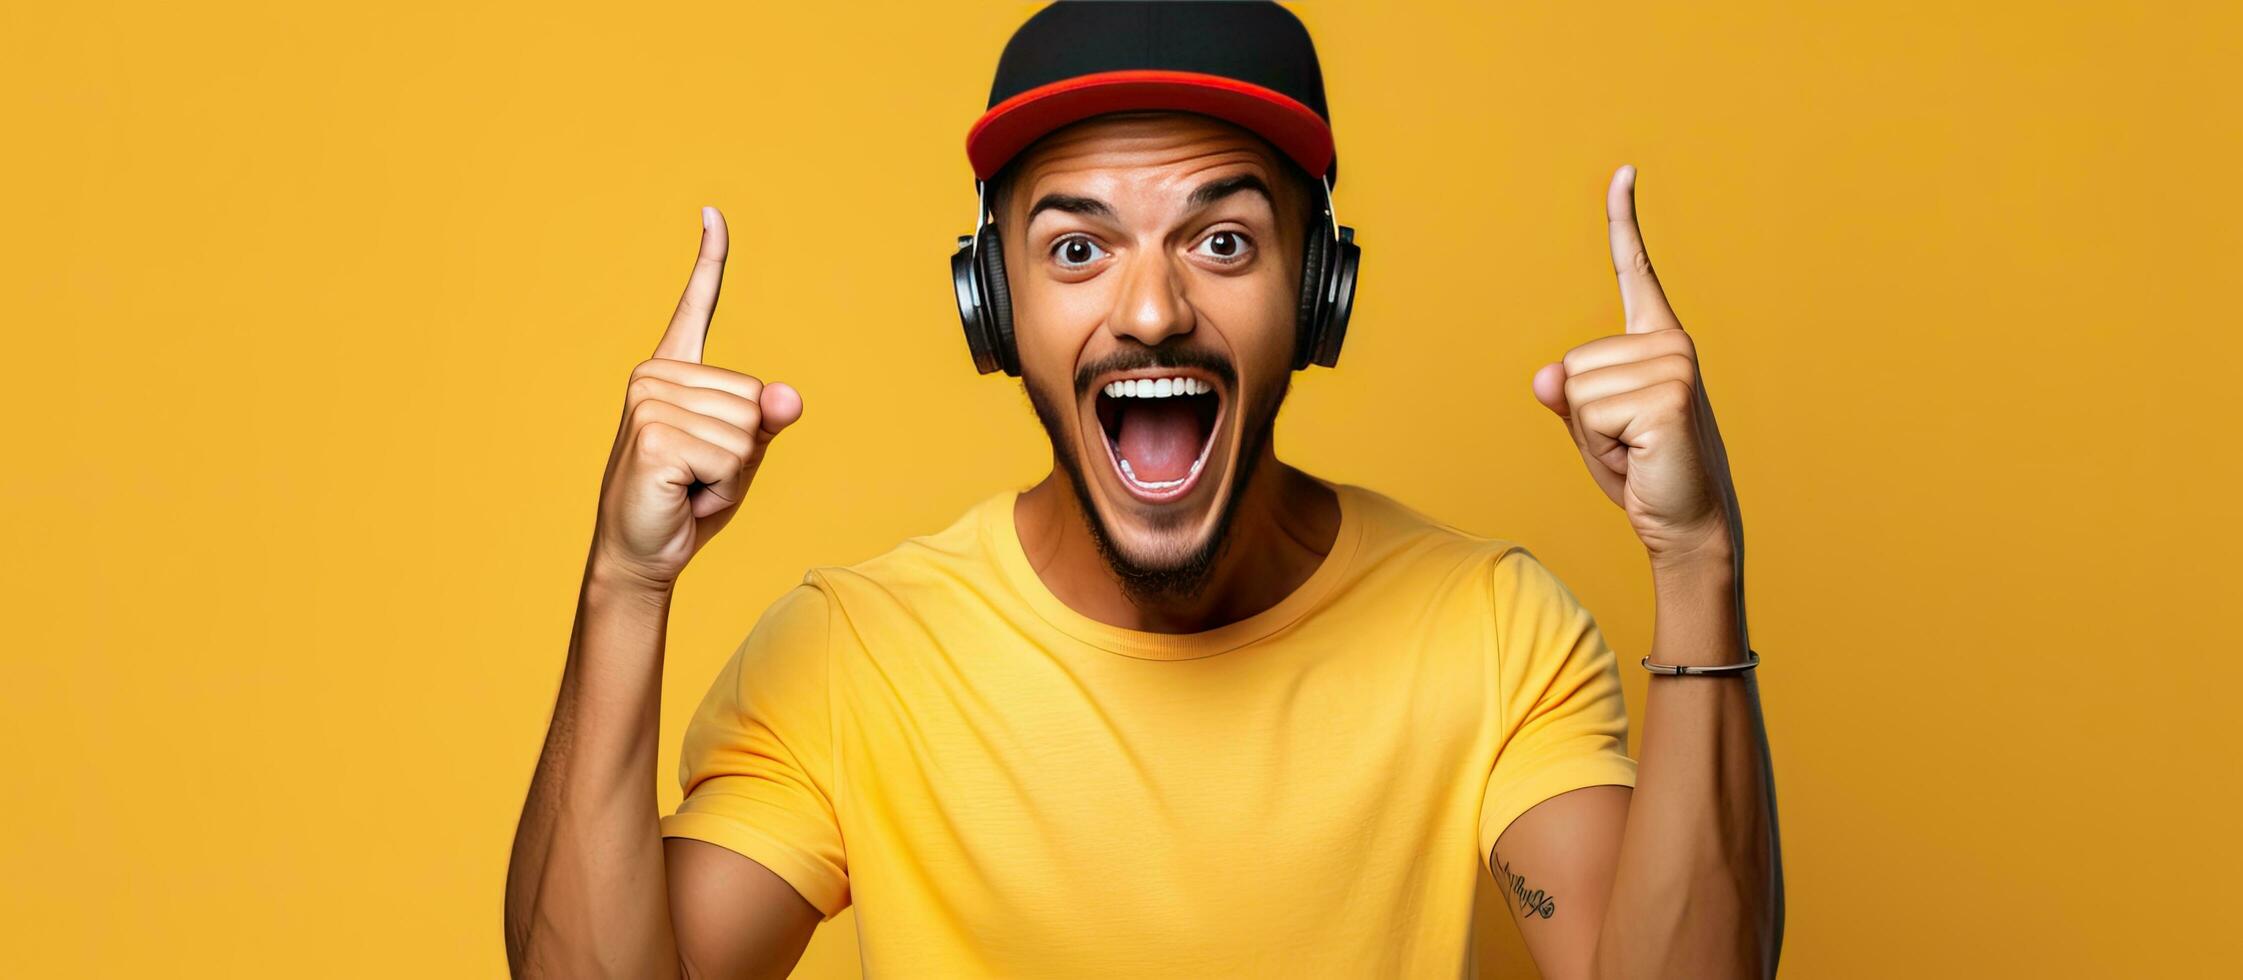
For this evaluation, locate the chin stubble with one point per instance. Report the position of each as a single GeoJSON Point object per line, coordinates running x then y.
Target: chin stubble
{"type": "Point", "coordinates": [1146, 585]}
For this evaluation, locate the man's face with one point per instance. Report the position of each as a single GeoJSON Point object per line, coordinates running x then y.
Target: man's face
{"type": "Point", "coordinates": [1155, 291]}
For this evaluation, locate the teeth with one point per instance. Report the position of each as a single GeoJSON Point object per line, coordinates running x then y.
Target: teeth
{"type": "Point", "coordinates": [1156, 484]}
{"type": "Point", "coordinates": [1157, 388]}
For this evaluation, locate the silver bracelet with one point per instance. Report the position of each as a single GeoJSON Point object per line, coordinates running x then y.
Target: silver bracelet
{"type": "Point", "coordinates": [1751, 660]}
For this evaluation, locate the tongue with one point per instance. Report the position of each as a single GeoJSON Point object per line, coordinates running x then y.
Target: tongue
{"type": "Point", "coordinates": [1160, 439]}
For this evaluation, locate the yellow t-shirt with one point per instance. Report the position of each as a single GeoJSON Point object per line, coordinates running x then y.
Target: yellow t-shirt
{"type": "Point", "coordinates": [1003, 786]}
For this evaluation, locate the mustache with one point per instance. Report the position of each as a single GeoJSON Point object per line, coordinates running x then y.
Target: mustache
{"type": "Point", "coordinates": [1140, 357]}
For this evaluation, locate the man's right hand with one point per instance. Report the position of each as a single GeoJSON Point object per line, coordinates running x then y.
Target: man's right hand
{"type": "Point", "coordinates": [592, 887]}
{"type": "Point", "coordinates": [690, 442]}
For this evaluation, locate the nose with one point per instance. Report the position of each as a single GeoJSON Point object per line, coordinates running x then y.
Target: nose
{"type": "Point", "coordinates": [1151, 306]}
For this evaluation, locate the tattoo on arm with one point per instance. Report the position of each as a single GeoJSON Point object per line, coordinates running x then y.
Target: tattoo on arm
{"type": "Point", "coordinates": [1533, 902]}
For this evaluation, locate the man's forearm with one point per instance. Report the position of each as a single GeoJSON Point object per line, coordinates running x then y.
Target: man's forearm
{"type": "Point", "coordinates": [586, 889]}
{"type": "Point", "coordinates": [1699, 886]}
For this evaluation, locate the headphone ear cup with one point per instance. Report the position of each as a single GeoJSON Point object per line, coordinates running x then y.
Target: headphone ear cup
{"type": "Point", "coordinates": [1309, 328]}
{"type": "Point", "coordinates": [973, 310]}
{"type": "Point", "coordinates": [1339, 293]}
{"type": "Point", "coordinates": [998, 293]}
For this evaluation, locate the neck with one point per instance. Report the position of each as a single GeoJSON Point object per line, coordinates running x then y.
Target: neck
{"type": "Point", "coordinates": [1284, 526]}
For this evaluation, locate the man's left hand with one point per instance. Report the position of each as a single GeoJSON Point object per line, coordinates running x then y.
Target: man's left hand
{"type": "Point", "coordinates": [1637, 410]}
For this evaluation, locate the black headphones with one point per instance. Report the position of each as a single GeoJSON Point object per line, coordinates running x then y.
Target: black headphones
{"type": "Point", "coordinates": [1328, 264]}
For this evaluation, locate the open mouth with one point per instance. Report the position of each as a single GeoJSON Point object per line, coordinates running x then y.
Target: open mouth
{"type": "Point", "coordinates": [1159, 430]}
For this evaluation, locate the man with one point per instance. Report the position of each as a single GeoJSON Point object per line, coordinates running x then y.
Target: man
{"type": "Point", "coordinates": [1179, 709]}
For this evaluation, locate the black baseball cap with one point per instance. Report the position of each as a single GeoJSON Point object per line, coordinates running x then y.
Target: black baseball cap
{"type": "Point", "coordinates": [1246, 62]}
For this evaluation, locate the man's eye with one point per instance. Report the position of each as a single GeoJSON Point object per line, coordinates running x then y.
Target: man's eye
{"type": "Point", "coordinates": [1226, 246]}
{"type": "Point", "coordinates": [1074, 253]}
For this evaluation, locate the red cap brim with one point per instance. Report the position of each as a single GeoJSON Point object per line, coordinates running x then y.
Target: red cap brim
{"type": "Point", "coordinates": [1009, 126]}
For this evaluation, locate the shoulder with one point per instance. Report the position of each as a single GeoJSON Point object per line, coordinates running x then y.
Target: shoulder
{"type": "Point", "coordinates": [919, 567]}
{"type": "Point", "coordinates": [792, 638]}
{"type": "Point", "coordinates": [1394, 532]}
{"type": "Point", "coordinates": [1398, 538]}
{"type": "Point", "coordinates": [800, 613]}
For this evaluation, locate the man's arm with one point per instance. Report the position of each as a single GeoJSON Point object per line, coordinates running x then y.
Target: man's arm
{"type": "Point", "coordinates": [1683, 876]}
{"type": "Point", "coordinates": [592, 889]}
{"type": "Point", "coordinates": [734, 917]}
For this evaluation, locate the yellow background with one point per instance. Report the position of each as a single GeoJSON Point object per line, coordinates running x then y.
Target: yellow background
{"type": "Point", "coordinates": [318, 320]}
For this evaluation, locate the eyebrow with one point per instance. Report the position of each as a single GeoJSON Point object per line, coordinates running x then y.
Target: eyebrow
{"type": "Point", "coordinates": [1072, 205]}
{"type": "Point", "coordinates": [1202, 196]}
{"type": "Point", "coordinates": [1216, 190]}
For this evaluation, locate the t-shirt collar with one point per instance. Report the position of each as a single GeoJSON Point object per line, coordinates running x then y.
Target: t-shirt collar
{"type": "Point", "coordinates": [1001, 535]}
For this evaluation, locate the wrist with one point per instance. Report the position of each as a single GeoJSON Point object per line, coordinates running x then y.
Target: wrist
{"type": "Point", "coordinates": [608, 581]}
{"type": "Point", "coordinates": [1700, 614]}
{"type": "Point", "coordinates": [1711, 555]}
{"type": "Point", "coordinates": [1696, 576]}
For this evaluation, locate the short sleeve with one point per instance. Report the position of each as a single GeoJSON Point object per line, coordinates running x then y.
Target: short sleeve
{"type": "Point", "coordinates": [1564, 717]}
{"type": "Point", "coordinates": [758, 759]}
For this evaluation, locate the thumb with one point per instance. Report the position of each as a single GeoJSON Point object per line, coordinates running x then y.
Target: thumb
{"type": "Point", "coordinates": [782, 407]}
{"type": "Point", "coordinates": [1549, 389]}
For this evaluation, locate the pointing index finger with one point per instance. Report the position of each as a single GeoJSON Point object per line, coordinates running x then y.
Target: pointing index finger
{"type": "Point", "coordinates": [1641, 299]}
{"type": "Point", "coordinates": [689, 326]}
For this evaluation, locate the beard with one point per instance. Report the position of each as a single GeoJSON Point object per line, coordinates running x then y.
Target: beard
{"type": "Point", "coordinates": [1147, 583]}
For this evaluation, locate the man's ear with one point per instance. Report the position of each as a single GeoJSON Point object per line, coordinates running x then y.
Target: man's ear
{"type": "Point", "coordinates": [999, 191]}
{"type": "Point", "coordinates": [1312, 203]}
